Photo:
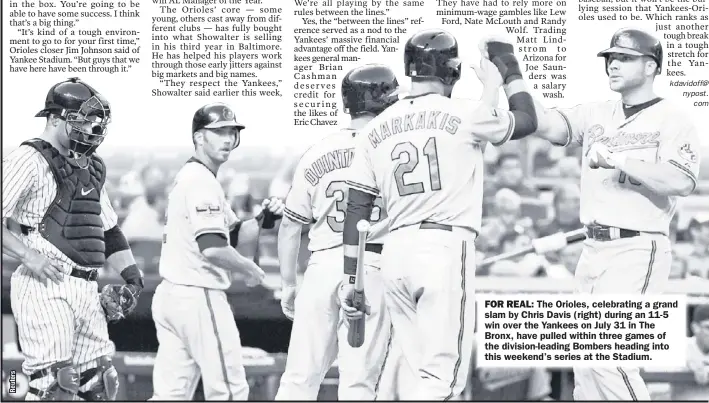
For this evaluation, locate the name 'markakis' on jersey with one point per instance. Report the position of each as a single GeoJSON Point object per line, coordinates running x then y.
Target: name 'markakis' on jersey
{"type": "Point", "coordinates": [328, 162]}
{"type": "Point", "coordinates": [424, 120]}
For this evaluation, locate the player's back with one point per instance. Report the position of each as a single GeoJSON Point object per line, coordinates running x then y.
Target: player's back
{"type": "Point", "coordinates": [320, 181]}
{"type": "Point", "coordinates": [428, 161]}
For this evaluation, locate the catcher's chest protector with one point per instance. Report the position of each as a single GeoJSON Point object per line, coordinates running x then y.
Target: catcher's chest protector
{"type": "Point", "coordinates": [72, 222]}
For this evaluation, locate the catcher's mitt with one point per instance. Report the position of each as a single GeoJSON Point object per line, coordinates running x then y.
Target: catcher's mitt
{"type": "Point", "coordinates": [118, 301]}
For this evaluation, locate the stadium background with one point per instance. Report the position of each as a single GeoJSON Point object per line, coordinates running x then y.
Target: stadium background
{"type": "Point", "coordinates": [531, 191]}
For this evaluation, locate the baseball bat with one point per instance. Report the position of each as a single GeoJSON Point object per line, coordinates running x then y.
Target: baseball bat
{"type": "Point", "coordinates": [257, 248]}
{"type": "Point", "coordinates": [355, 335]}
{"type": "Point", "coordinates": [542, 245]}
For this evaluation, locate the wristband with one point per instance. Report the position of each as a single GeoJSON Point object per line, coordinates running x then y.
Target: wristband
{"type": "Point", "coordinates": [132, 275]}
{"type": "Point", "coordinates": [512, 77]}
{"type": "Point", "coordinates": [350, 266]}
{"type": "Point", "coordinates": [508, 66]}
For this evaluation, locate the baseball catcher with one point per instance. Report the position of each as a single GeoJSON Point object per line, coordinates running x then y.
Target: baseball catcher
{"type": "Point", "coordinates": [53, 192]}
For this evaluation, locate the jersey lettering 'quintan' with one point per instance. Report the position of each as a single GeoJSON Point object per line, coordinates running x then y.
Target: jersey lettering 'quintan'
{"type": "Point", "coordinates": [424, 120]}
{"type": "Point", "coordinates": [328, 162]}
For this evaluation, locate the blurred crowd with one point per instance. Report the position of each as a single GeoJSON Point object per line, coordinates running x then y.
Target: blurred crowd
{"type": "Point", "coordinates": [531, 190]}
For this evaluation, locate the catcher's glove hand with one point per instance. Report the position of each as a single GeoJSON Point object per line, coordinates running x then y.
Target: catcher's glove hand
{"type": "Point", "coordinates": [119, 300]}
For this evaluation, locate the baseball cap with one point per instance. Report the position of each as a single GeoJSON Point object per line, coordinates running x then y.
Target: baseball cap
{"type": "Point", "coordinates": [213, 116]}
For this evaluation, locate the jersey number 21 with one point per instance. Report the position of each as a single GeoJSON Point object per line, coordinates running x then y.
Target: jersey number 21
{"type": "Point", "coordinates": [412, 156]}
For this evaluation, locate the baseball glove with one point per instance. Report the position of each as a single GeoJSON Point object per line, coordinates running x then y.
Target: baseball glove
{"type": "Point", "coordinates": [119, 300]}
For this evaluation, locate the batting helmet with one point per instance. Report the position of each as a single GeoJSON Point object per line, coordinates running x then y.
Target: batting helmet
{"type": "Point", "coordinates": [214, 116]}
{"type": "Point", "coordinates": [635, 42]}
{"type": "Point", "coordinates": [369, 89]}
{"type": "Point", "coordinates": [433, 53]}
{"type": "Point", "coordinates": [86, 113]}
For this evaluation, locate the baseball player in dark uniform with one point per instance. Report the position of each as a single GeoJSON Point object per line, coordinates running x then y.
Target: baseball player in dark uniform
{"type": "Point", "coordinates": [53, 189]}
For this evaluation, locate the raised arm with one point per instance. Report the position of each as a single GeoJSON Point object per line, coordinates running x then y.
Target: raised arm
{"type": "Point", "coordinates": [526, 115]}
{"type": "Point", "coordinates": [522, 114]}
{"type": "Point", "coordinates": [484, 120]}
{"type": "Point", "coordinates": [553, 125]}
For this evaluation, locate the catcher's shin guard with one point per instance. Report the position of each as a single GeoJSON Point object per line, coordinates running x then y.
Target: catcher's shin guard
{"type": "Point", "coordinates": [106, 389]}
{"type": "Point", "coordinates": [64, 386]}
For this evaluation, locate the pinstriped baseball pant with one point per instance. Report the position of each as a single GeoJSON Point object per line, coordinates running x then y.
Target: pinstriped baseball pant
{"type": "Point", "coordinates": [637, 265]}
{"type": "Point", "coordinates": [58, 322]}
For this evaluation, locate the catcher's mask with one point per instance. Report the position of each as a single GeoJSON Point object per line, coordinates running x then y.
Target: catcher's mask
{"type": "Point", "coordinates": [86, 128]}
{"type": "Point", "coordinates": [85, 112]}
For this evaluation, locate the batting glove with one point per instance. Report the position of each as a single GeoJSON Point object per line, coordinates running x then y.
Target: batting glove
{"type": "Point", "coordinates": [494, 42]}
{"type": "Point", "coordinates": [346, 295]}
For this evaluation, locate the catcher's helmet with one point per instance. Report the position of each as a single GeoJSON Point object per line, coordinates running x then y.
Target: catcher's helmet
{"type": "Point", "coordinates": [433, 53]}
{"type": "Point", "coordinates": [214, 116]}
{"type": "Point", "coordinates": [369, 89]}
{"type": "Point", "coordinates": [86, 113]}
{"type": "Point", "coordinates": [635, 42]}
